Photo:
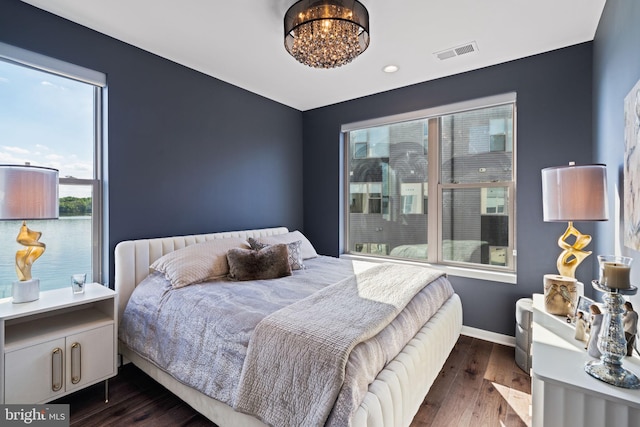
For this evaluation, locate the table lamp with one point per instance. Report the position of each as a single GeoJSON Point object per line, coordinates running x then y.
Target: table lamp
{"type": "Point", "coordinates": [574, 193]}
{"type": "Point", "coordinates": [28, 192]}
{"type": "Point", "coordinates": [571, 193]}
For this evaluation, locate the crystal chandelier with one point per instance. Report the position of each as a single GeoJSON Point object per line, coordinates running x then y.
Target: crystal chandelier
{"type": "Point", "coordinates": [326, 33]}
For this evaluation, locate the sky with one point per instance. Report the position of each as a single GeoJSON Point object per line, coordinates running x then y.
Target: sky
{"type": "Point", "coordinates": [46, 120]}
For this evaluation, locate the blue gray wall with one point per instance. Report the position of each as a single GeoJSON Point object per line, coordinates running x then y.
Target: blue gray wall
{"type": "Point", "coordinates": [553, 128]}
{"type": "Point", "coordinates": [187, 153]}
{"type": "Point", "coordinates": [616, 60]}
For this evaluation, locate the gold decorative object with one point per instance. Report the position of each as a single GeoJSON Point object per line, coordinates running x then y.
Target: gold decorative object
{"type": "Point", "coordinates": [574, 193]}
{"type": "Point", "coordinates": [326, 33]}
{"type": "Point", "coordinates": [25, 257]}
{"type": "Point", "coordinates": [572, 254]}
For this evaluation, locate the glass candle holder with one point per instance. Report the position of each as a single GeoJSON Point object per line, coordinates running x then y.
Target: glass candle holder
{"type": "Point", "coordinates": [611, 341]}
{"type": "Point", "coordinates": [615, 271]}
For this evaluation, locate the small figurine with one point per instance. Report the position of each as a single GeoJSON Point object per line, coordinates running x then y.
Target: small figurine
{"type": "Point", "coordinates": [581, 327]}
{"type": "Point", "coordinates": [596, 323]}
{"type": "Point", "coordinates": [630, 325]}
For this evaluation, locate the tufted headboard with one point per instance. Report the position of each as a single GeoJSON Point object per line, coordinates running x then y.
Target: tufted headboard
{"type": "Point", "coordinates": [133, 257]}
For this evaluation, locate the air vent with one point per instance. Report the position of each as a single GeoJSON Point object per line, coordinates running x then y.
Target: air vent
{"type": "Point", "coordinates": [457, 51]}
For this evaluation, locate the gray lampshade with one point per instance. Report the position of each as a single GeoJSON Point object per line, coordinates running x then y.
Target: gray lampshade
{"type": "Point", "coordinates": [28, 192]}
{"type": "Point", "coordinates": [575, 193]}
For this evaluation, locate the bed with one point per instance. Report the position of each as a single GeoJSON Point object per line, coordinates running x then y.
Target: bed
{"type": "Point", "coordinates": [390, 398]}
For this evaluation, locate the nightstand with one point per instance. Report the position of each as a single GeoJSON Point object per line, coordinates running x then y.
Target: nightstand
{"type": "Point", "coordinates": [57, 344]}
{"type": "Point", "coordinates": [563, 394]}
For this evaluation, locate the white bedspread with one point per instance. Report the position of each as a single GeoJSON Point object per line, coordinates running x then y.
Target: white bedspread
{"type": "Point", "coordinates": [295, 364]}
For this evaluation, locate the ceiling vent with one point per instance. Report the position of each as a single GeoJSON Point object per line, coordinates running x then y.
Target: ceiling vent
{"type": "Point", "coordinates": [457, 51]}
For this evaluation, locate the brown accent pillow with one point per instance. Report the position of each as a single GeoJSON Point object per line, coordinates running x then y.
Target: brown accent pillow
{"type": "Point", "coordinates": [270, 262]}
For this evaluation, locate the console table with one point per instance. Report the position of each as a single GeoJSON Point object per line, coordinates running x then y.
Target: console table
{"type": "Point", "coordinates": [563, 394]}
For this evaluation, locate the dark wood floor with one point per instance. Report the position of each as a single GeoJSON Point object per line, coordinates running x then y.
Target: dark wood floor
{"type": "Point", "coordinates": [480, 385]}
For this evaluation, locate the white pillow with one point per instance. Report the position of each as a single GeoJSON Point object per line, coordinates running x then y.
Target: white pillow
{"type": "Point", "coordinates": [306, 248]}
{"type": "Point", "coordinates": [197, 263]}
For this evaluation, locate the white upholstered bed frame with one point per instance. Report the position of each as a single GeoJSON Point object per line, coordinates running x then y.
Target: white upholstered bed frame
{"type": "Point", "coordinates": [393, 398]}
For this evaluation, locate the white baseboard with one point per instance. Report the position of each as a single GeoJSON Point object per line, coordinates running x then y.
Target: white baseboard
{"type": "Point", "coordinates": [489, 336]}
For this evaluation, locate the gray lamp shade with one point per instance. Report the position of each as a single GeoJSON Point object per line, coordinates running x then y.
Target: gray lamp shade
{"type": "Point", "coordinates": [575, 193]}
{"type": "Point", "coordinates": [28, 192]}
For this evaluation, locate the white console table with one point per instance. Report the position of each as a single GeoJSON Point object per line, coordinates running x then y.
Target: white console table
{"type": "Point", "coordinates": [563, 394]}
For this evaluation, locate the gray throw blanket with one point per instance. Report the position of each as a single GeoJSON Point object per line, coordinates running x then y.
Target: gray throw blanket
{"type": "Point", "coordinates": [295, 363]}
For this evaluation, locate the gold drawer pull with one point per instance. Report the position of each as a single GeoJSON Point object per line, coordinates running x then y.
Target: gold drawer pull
{"type": "Point", "coordinates": [76, 367]}
{"type": "Point", "coordinates": [56, 374]}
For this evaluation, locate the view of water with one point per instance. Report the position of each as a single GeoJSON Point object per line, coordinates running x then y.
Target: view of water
{"type": "Point", "coordinates": [68, 252]}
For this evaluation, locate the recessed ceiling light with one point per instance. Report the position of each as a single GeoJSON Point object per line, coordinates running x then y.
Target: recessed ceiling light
{"type": "Point", "coordinates": [390, 69]}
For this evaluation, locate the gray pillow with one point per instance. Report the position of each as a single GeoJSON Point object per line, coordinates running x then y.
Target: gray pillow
{"type": "Point", "coordinates": [307, 248]}
{"type": "Point", "coordinates": [270, 262]}
{"type": "Point", "coordinates": [295, 252]}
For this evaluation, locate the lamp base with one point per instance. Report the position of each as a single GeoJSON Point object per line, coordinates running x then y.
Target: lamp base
{"type": "Point", "coordinates": [25, 291]}
{"type": "Point", "coordinates": [572, 254]}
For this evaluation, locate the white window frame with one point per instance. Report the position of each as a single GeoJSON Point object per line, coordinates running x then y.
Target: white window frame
{"type": "Point", "coordinates": [36, 61]}
{"type": "Point", "coordinates": [434, 185]}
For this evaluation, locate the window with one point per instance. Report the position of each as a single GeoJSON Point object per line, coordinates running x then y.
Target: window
{"type": "Point", "coordinates": [435, 186]}
{"type": "Point", "coordinates": [51, 115]}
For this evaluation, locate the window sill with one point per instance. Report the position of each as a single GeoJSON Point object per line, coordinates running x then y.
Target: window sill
{"type": "Point", "coordinates": [470, 273]}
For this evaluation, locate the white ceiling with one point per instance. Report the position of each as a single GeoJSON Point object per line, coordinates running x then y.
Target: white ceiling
{"type": "Point", "coordinates": [241, 41]}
